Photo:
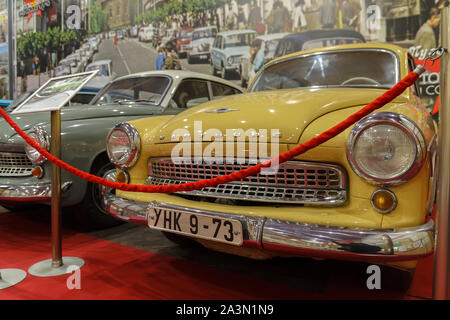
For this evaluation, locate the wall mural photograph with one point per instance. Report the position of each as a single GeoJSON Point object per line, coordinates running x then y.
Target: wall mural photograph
{"type": "Point", "coordinates": [229, 38]}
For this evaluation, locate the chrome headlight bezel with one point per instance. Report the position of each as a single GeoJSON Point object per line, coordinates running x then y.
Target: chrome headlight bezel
{"type": "Point", "coordinates": [40, 136]}
{"type": "Point", "coordinates": [399, 121]}
{"type": "Point", "coordinates": [134, 146]}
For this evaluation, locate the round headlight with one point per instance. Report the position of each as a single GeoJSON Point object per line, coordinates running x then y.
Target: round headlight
{"type": "Point", "coordinates": [123, 145]}
{"type": "Point", "coordinates": [386, 148]}
{"type": "Point", "coordinates": [38, 135]}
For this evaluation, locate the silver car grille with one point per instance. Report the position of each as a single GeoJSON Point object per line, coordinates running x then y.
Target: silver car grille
{"type": "Point", "coordinates": [15, 165]}
{"type": "Point", "coordinates": [295, 182]}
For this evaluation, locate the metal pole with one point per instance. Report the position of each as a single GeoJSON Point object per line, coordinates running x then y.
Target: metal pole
{"type": "Point", "coordinates": [62, 15]}
{"type": "Point", "coordinates": [441, 286]}
{"type": "Point", "coordinates": [11, 70]}
{"type": "Point", "coordinates": [55, 147]}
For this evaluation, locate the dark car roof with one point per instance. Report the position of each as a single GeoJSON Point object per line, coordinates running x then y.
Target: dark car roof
{"type": "Point", "coordinates": [317, 34]}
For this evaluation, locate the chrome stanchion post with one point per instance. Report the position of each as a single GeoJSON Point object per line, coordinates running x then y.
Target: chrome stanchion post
{"type": "Point", "coordinates": [57, 265]}
{"type": "Point", "coordinates": [441, 285]}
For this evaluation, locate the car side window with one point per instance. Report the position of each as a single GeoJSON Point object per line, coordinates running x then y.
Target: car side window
{"type": "Point", "coordinates": [190, 93]}
{"type": "Point", "coordinates": [280, 49]}
{"type": "Point", "coordinates": [290, 47]}
{"type": "Point", "coordinates": [220, 90]}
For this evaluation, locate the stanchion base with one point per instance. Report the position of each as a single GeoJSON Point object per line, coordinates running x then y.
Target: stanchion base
{"type": "Point", "coordinates": [11, 277]}
{"type": "Point", "coordinates": [45, 269]}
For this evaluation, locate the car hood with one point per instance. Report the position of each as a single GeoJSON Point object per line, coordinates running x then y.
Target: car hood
{"type": "Point", "coordinates": [237, 51]}
{"type": "Point", "coordinates": [289, 110]}
{"type": "Point", "coordinates": [75, 113]}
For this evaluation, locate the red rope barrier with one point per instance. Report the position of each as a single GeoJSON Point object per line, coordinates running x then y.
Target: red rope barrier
{"type": "Point", "coordinates": [387, 97]}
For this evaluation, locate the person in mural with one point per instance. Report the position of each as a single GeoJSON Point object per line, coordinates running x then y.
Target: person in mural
{"type": "Point", "coordinates": [425, 37]}
{"type": "Point", "coordinates": [160, 59]}
{"type": "Point", "coordinates": [241, 21]}
{"type": "Point", "coordinates": [327, 14]}
{"type": "Point", "coordinates": [257, 58]}
{"type": "Point", "coordinates": [278, 18]}
{"type": "Point", "coordinates": [348, 15]}
{"type": "Point", "coordinates": [254, 18]}
{"type": "Point", "coordinates": [230, 15]}
{"type": "Point", "coordinates": [172, 62]}
{"type": "Point", "coordinates": [298, 17]}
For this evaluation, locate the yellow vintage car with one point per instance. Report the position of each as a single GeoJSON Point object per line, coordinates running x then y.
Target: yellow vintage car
{"type": "Point", "coordinates": [365, 195]}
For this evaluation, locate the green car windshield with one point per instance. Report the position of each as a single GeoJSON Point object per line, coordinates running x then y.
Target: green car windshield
{"type": "Point", "coordinates": [146, 90]}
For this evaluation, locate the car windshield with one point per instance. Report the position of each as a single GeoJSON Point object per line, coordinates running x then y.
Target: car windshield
{"type": "Point", "coordinates": [186, 34]}
{"type": "Point", "coordinates": [149, 90]}
{"type": "Point", "coordinates": [200, 34]}
{"type": "Point", "coordinates": [331, 69]}
{"type": "Point", "coordinates": [102, 67]}
{"type": "Point", "coordinates": [239, 40]}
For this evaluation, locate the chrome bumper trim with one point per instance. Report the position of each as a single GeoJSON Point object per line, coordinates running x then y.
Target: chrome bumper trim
{"type": "Point", "coordinates": [305, 239]}
{"type": "Point", "coordinates": [29, 193]}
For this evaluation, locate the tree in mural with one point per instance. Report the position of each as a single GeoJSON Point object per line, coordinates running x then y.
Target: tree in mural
{"type": "Point", "coordinates": [98, 18]}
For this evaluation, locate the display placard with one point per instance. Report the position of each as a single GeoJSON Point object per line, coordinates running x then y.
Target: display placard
{"type": "Point", "coordinates": [55, 93]}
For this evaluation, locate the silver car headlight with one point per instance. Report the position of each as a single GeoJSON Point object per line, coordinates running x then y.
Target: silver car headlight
{"type": "Point", "coordinates": [386, 148]}
{"type": "Point", "coordinates": [40, 136]}
{"type": "Point", "coordinates": [123, 145]}
{"type": "Point", "coordinates": [230, 61]}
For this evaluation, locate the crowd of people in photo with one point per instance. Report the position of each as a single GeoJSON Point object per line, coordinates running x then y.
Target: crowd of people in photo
{"type": "Point", "coordinates": [300, 15]}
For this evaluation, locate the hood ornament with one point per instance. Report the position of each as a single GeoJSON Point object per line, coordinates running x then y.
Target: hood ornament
{"type": "Point", "coordinates": [222, 110]}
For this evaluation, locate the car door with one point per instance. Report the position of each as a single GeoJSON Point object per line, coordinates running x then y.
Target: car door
{"type": "Point", "coordinates": [215, 56]}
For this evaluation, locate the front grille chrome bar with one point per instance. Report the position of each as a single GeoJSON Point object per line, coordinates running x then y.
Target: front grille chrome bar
{"type": "Point", "coordinates": [15, 165]}
{"type": "Point", "coordinates": [296, 182]}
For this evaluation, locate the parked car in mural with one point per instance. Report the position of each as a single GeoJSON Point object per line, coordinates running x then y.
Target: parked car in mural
{"type": "Point", "coordinates": [183, 41]}
{"type": "Point", "coordinates": [365, 195]}
{"type": "Point", "coordinates": [146, 34]}
{"type": "Point", "coordinates": [227, 49]}
{"type": "Point", "coordinates": [200, 47]}
{"type": "Point", "coordinates": [269, 45]}
{"type": "Point", "coordinates": [313, 39]}
{"type": "Point", "coordinates": [105, 74]}
{"type": "Point", "coordinates": [84, 128]}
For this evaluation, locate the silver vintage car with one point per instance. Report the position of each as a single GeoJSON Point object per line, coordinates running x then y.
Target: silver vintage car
{"type": "Point", "coordinates": [25, 175]}
{"type": "Point", "coordinates": [228, 48]}
{"type": "Point", "coordinates": [201, 43]}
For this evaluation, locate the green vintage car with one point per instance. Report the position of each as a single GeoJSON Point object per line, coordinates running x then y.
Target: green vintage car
{"type": "Point", "coordinates": [25, 175]}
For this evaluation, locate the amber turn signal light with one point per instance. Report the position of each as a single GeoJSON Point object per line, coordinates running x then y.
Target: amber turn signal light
{"type": "Point", "coordinates": [384, 201]}
{"type": "Point", "coordinates": [122, 177]}
{"type": "Point", "coordinates": [38, 172]}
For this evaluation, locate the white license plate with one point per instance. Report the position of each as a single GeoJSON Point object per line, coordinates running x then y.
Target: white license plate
{"type": "Point", "coordinates": [203, 56]}
{"type": "Point", "coordinates": [196, 225]}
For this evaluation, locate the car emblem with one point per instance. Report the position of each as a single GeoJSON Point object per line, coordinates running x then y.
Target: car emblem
{"type": "Point", "coordinates": [222, 110]}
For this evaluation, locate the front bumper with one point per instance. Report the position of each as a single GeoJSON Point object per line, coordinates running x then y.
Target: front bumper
{"type": "Point", "coordinates": [29, 193]}
{"type": "Point", "coordinates": [306, 240]}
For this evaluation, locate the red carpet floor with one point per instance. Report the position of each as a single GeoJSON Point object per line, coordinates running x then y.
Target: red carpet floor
{"type": "Point", "coordinates": [114, 271]}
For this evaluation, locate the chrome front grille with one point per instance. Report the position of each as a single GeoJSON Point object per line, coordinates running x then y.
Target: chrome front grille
{"type": "Point", "coordinates": [15, 165]}
{"type": "Point", "coordinates": [295, 181]}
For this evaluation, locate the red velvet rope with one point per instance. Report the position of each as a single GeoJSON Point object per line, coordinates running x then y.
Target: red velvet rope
{"type": "Point", "coordinates": [387, 97]}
